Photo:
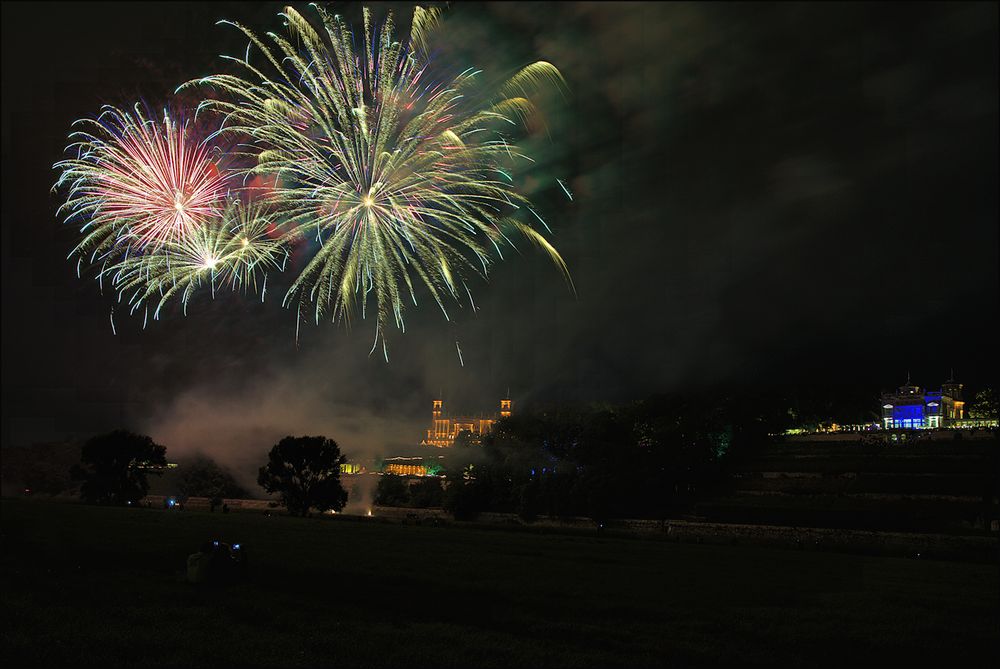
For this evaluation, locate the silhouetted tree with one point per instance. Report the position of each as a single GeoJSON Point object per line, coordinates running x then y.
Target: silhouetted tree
{"type": "Point", "coordinates": [114, 466]}
{"type": "Point", "coordinates": [426, 493]}
{"type": "Point", "coordinates": [203, 477]}
{"type": "Point", "coordinates": [463, 499]}
{"type": "Point", "coordinates": [48, 479]}
{"type": "Point", "coordinates": [649, 459]}
{"type": "Point", "coordinates": [392, 491]}
{"type": "Point", "coordinates": [530, 500]}
{"type": "Point", "coordinates": [465, 466]}
{"type": "Point", "coordinates": [305, 472]}
{"type": "Point", "coordinates": [42, 468]}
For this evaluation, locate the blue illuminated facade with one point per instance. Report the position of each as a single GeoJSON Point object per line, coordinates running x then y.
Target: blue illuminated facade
{"type": "Point", "coordinates": [911, 408]}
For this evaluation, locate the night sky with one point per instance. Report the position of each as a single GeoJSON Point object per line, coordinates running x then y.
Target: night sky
{"type": "Point", "coordinates": [778, 195]}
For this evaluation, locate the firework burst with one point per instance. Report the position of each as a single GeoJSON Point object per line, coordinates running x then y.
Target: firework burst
{"type": "Point", "coordinates": [398, 176]}
{"type": "Point", "coordinates": [135, 184]}
{"type": "Point", "coordinates": [234, 251]}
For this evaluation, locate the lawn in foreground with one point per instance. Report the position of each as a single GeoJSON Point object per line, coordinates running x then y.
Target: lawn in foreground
{"type": "Point", "coordinates": [98, 586]}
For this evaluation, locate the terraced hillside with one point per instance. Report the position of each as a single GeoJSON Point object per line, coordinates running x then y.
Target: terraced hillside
{"type": "Point", "coordinates": [941, 487]}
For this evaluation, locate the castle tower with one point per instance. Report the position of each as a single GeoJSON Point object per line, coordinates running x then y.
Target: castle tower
{"type": "Point", "coordinates": [505, 408]}
{"type": "Point", "coordinates": [952, 389]}
{"type": "Point", "coordinates": [438, 434]}
{"type": "Point", "coordinates": [952, 398]}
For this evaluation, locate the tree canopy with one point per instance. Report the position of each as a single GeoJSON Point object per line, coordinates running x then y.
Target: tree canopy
{"type": "Point", "coordinates": [392, 491]}
{"type": "Point", "coordinates": [113, 467]}
{"type": "Point", "coordinates": [305, 472]}
{"type": "Point", "coordinates": [203, 477]}
{"type": "Point", "coordinates": [643, 459]}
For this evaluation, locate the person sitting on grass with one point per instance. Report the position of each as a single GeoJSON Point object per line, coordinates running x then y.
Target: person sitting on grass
{"type": "Point", "coordinates": [216, 562]}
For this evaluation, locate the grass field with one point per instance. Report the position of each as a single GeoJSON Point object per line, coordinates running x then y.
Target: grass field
{"type": "Point", "coordinates": [85, 586]}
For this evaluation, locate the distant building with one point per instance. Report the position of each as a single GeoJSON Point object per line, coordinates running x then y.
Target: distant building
{"type": "Point", "coordinates": [416, 466]}
{"type": "Point", "coordinates": [444, 429]}
{"type": "Point", "coordinates": [913, 408]}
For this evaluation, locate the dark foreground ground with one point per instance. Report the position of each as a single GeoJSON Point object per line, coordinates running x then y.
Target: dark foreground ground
{"type": "Point", "coordinates": [93, 586]}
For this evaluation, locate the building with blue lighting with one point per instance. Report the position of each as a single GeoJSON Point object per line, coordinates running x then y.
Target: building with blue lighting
{"type": "Point", "coordinates": [913, 408]}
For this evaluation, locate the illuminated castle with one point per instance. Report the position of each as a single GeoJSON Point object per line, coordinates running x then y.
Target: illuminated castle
{"type": "Point", "coordinates": [443, 429]}
{"type": "Point", "coordinates": [910, 407]}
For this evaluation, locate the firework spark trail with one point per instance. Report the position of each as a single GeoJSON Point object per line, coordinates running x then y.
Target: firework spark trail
{"type": "Point", "coordinates": [235, 251]}
{"type": "Point", "coordinates": [392, 176]}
